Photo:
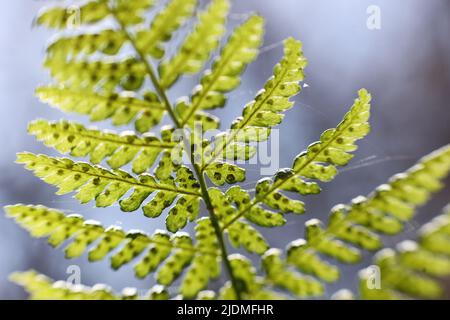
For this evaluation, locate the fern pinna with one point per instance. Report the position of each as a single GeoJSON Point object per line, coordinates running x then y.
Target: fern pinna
{"type": "Point", "coordinates": [92, 77]}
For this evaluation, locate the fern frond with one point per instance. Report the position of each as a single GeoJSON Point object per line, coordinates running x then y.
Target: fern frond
{"type": "Point", "coordinates": [198, 46]}
{"type": "Point", "coordinates": [356, 225]}
{"type": "Point", "coordinates": [204, 267]}
{"type": "Point", "coordinates": [318, 162]}
{"type": "Point", "coordinates": [240, 233]}
{"type": "Point", "coordinates": [252, 286]}
{"type": "Point", "coordinates": [411, 270]}
{"type": "Point", "coordinates": [163, 25]}
{"type": "Point", "coordinates": [166, 255]}
{"type": "Point", "coordinates": [266, 110]}
{"type": "Point", "coordinates": [279, 275]}
{"type": "Point", "coordinates": [41, 287]}
{"type": "Point", "coordinates": [119, 149]}
{"type": "Point", "coordinates": [240, 50]}
{"type": "Point", "coordinates": [107, 41]}
{"type": "Point", "coordinates": [105, 74]}
{"type": "Point", "coordinates": [259, 115]}
{"type": "Point", "coordinates": [120, 108]}
{"type": "Point", "coordinates": [131, 12]}
{"type": "Point", "coordinates": [94, 11]}
{"type": "Point", "coordinates": [107, 187]}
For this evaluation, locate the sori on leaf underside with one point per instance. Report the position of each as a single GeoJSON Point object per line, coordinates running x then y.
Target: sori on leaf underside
{"type": "Point", "coordinates": [115, 66]}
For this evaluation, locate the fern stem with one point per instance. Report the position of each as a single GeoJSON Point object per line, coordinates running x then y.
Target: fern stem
{"type": "Point", "coordinates": [217, 230]}
{"type": "Point", "coordinates": [204, 188]}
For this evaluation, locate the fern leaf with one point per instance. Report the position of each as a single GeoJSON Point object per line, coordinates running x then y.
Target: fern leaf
{"type": "Point", "coordinates": [59, 17]}
{"type": "Point", "coordinates": [163, 25]}
{"type": "Point", "coordinates": [62, 17]}
{"type": "Point", "coordinates": [252, 287]}
{"type": "Point", "coordinates": [411, 269]}
{"type": "Point", "coordinates": [107, 187]}
{"type": "Point", "coordinates": [129, 73]}
{"type": "Point", "coordinates": [120, 108]}
{"type": "Point", "coordinates": [356, 226]}
{"type": "Point", "coordinates": [198, 45]}
{"type": "Point", "coordinates": [434, 235]}
{"type": "Point", "coordinates": [203, 267]}
{"type": "Point", "coordinates": [240, 233]}
{"type": "Point", "coordinates": [131, 12]}
{"type": "Point", "coordinates": [223, 172]}
{"type": "Point", "coordinates": [166, 255]}
{"type": "Point", "coordinates": [257, 214]}
{"type": "Point", "coordinates": [280, 276]}
{"type": "Point", "coordinates": [74, 138]}
{"type": "Point", "coordinates": [317, 163]}
{"type": "Point", "coordinates": [241, 49]}
{"type": "Point", "coordinates": [41, 287]}
{"type": "Point", "coordinates": [261, 114]}
{"type": "Point", "coordinates": [266, 110]}
{"type": "Point", "coordinates": [107, 41]}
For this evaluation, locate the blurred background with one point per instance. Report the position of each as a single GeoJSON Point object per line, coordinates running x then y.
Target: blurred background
{"type": "Point", "coordinates": [405, 65]}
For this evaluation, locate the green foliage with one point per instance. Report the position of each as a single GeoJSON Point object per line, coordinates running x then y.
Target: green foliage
{"type": "Point", "coordinates": [357, 225]}
{"type": "Point", "coordinates": [240, 50]}
{"type": "Point", "coordinates": [258, 117]}
{"type": "Point", "coordinates": [41, 287]}
{"type": "Point", "coordinates": [412, 269]}
{"type": "Point", "coordinates": [103, 69]}
{"type": "Point", "coordinates": [333, 149]}
{"type": "Point", "coordinates": [121, 108]}
{"type": "Point", "coordinates": [164, 24]}
{"type": "Point", "coordinates": [128, 11]}
{"type": "Point", "coordinates": [166, 254]}
{"type": "Point", "coordinates": [74, 138]}
{"type": "Point", "coordinates": [198, 45]}
{"type": "Point", "coordinates": [107, 187]}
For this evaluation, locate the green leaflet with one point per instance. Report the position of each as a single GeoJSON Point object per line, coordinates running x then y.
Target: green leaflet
{"type": "Point", "coordinates": [107, 41]}
{"type": "Point", "coordinates": [41, 287]}
{"type": "Point", "coordinates": [240, 233]}
{"type": "Point", "coordinates": [306, 259]}
{"type": "Point", "coordinates": [93, 78]}
{"type": "Point", "coordinates": [129, 11]}
{"type": "Point", "coordinates": [263, 113]}
{"type": "Point", "coordinates": [266, 110]}
{"type": "Point", "coordinates": [198, 45]}
{"type": "Point", "coordinates": [279, 275]}
{"type": "Point", "coordinates": [70, 17]}
{"type": "Point", "coordinates": [434, 236]}
{"type": "Point", "coordinates": [384, 211]}
{"type": "Point", "coordinates": [120, 149]}
{"type": "Point", "coordinates": [203, 267]}
{"type": "Point", "coordinates": [129, 73]}
{"type": "Point", "coordinates": [219, 172]}
{"type": "Point", "coordinates": [163, 25]}
{"type": "Point", "coordinates": [120, 108]}
{"type": "Point", "coordinates": [410, 270]}
{"type": "Point", "coordinates": [252, 286]}
{"type": "Point", "coordinates": [240, 50]}
{"type": "Point", "coordinates": [256, 214]}
{"type": "Point", "coordinates": [166, 255]}
{"type": "Point", "coordinates": [277, 200]}
{"type": "Point", "coordinates": [318, 162]}
{"type": "Point", "coordinates": [403, 280]}
{"type": "Point", "coordinates": [107, 187]}
{"type": "Point", "coordinates": [223, 172]}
